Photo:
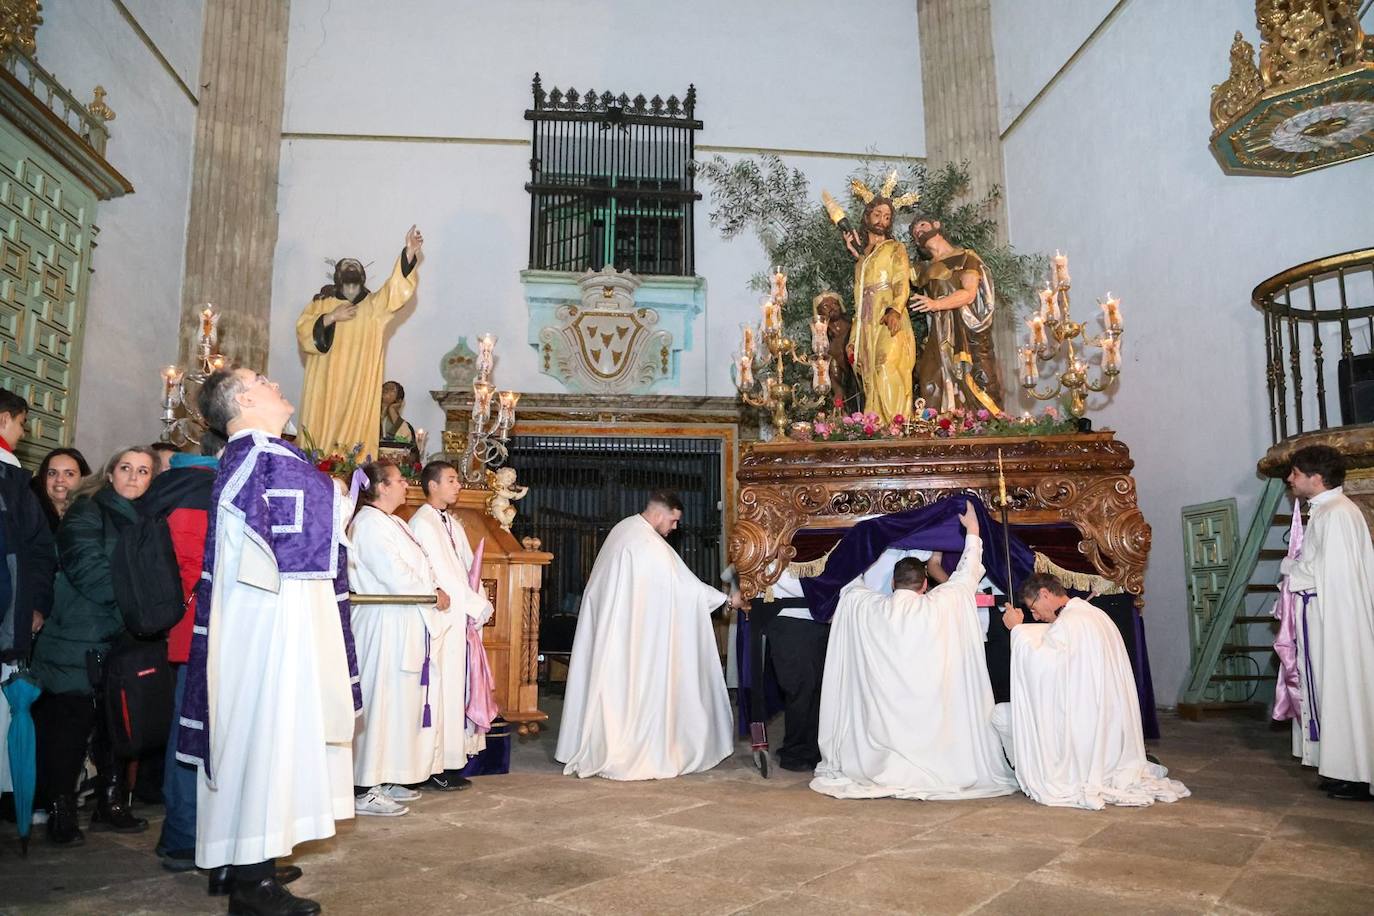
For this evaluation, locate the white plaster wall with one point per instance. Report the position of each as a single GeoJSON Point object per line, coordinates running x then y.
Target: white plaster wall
{"type": "Point", "coordinates": [1112, 166]}
{"type": "Point", "coordinates": [1033, 40]}
{"type": "Point", "coordinates": [135, 290]}
{"type": "Point", "coordinates": [769, 76]}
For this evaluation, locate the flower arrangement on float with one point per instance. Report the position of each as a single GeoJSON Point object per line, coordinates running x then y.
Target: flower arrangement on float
{"type": "Point", "coordinates": [929, 423]}
{"type": "Point", "coordinates": [341, 465]}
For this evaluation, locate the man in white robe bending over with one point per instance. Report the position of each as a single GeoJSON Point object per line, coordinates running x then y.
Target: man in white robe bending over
{"type": "Point", "coordinates": [1074, 723]}
{"type": "Point", "coordinates": [646, 693]}
{"type": "Point", "coordinates": [906, 706]}
{"type": "Point", "coordinates": [443, 537]}
{"type": "Point", "coordinates": [1334, 584]}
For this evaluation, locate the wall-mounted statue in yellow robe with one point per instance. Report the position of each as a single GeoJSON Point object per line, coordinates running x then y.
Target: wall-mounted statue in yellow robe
{"type": "Point", "coordinates": [341, 332]}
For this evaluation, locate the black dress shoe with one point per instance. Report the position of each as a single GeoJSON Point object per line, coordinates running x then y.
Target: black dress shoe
{"type": "Point", "coordinates": [1345, 790]}
{"type": "Point", "coordinates": [268, 898]}
{"type": "Point", "coordinates": [438, 783]}
{"type": "Point", "coordinates": [1326, 784]}
{"type": "Point", "coordinates": [796, 766]}
{"type": "Point", "coordinates": [222, 879]}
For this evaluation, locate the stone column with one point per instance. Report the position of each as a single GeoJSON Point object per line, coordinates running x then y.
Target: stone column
{"type": "Point", "coordinates": [959, 88]}
{"type": "Point", "coordinates": [231, 233]}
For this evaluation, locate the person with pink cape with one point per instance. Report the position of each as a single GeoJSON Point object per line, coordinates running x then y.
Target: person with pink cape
{"type": "Point", "coordinates": [465, 703]}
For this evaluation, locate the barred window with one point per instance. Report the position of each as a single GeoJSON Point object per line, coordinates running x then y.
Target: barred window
{"type": "Point", "coordinates": [612, 182]}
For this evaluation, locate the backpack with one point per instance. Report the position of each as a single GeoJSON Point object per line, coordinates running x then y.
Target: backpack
{"type": "Point", "coordinates": [146, 579]}
{"type": "Point", "coordinates": [139, 692]}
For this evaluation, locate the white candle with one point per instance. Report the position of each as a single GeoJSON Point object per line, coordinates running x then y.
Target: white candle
{"type": "Point", "coordinates": [746, 338]}
{"type": "Point", "coordinates": [481, 399]}
{"type": "Point", "coordinates": [1037, 328]}
{"type": "Point", "coordinates": [1061, 268]}
{"type": "Point", "coordinates": [820, 373]}
{"type": "Point", "coordinates": [1111, 313]}
{"type": "Point", "coordinates": [745, 372]}
{"type": "Point", "coordinates": [170, 378]}
{"type": "Point", "coordinates": [1111, 354]}
{"type": "Point", "coordinates": [820, 340]}
{"type": "Point", "coordinates": [779, 286]}
{"type": "Point", "coordinates": [1029, 371]}
{"type": "Point", "coordinates": [1049, 307]}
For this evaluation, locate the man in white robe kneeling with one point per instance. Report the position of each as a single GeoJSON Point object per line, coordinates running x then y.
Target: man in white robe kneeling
{"type": "Point", "coordinates": [906, 706]}
{"type": "Point", "coordinates": [397, 744]}
{"type": "Point", "coordinates": [1072, 728]}
{"type": "Point", "coordinates": [646, 692]}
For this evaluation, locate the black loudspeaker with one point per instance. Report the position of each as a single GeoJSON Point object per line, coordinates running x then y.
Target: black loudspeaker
{"type": "Point", "coordinates": [1356, 376]}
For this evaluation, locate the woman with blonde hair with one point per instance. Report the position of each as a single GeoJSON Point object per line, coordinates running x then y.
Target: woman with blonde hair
{"type": "Point", "coordinates": [71, 648]}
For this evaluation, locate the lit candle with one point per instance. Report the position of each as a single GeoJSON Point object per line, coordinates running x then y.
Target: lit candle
{"type": "Point", "coordinates": [1111, 313]}
{"type": "Point", "coordinates": [1029, 371]}
{"type": "Point", "coordinates": [486, 346]}
{"type": "Point", "coordinates": [170, 378]}
{"type": "Point", "coordinates": [1049, 305]}
{"type": "Point", "coordinates": [420, 437]}
{"type": "Point", "coordinates": [481, 399]}
{"type": "Point", "coordinates": [820, 374]}
{"type": "Point", "coordinates": [1111, 354]}
{"type": "Point", "coordinates": [207, 326]}
{"type": "Point", "coordinates": [1061, 269]}
{"type": "Point", "coordinates": [506, 418]}
{"type": "Point", "coordinates": [820, 340]}
{"type": "Point", "coordinates": [779, 286]}
{"type": "Point", "coordinates": [746, 338]}
{"type": "Point", "coordinates": [1037, 328]}
{"type": "Point", "coordinates": [744, 372]}
{"type": "Point", "coordinates": [1001, 480]}
{"type": "Point", "coordinates": [216, 362]}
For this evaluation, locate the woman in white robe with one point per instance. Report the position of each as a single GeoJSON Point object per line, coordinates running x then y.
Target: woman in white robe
{"type": "Point", "coordinates": [446, 543]}
{"type": "Point", "coordinates": [1076, 740]}
{"type": "Point", "coordinates": [396, 743]}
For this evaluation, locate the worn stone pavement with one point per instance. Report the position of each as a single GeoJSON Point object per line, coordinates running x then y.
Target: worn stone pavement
{"type": "Point", "coordinates": [1254, 838]}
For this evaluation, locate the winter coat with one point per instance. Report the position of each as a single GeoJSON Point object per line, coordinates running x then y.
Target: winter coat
{"type": "Point", "coordinates": [183, 494]}
{"type": "Point", "coordinates": [29, 560]}
{"type": "Point", "coordinates": [84, 616]}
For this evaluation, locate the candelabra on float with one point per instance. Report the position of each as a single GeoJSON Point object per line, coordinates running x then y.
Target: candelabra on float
{"type": "Point", "coordinates": [486, 438]}
{"type": "Point", "coordinates": [1053, 321]}
{"type": "Point", "coordinates": [767, 346]}
{"type": "Point", "coordinates": [175, 380]}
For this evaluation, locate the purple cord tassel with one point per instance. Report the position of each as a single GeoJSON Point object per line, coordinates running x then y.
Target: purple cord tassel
{"type": "Point", "coordinates": [428, 721]}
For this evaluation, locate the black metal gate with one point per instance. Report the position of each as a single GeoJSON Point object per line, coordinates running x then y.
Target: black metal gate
{"type": "Point", "coordinates": [581, 486]}
{"type": "Point", "coordinates": [612, 181]}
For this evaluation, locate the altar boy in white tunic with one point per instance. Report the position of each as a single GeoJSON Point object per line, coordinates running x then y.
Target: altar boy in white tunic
{"type": "Point", "coordinates": [448, 548]}
{"type": "Point", "coordinates": [397, 743]}
{"type": "Point", "coordinates": [1074, 723]}
{"type": "Point", "coordinates": [906, 706]}
{"type": "Point", "coordinates": [268, 713]}
{"type": "Point", "coordinates": [1334, 583]}
{"type": "Point", "coordinates": [646, 692]}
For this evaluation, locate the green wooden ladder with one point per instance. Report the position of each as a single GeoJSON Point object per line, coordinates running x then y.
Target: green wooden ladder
{"type": "Point", "coordinates": [1227, 633]}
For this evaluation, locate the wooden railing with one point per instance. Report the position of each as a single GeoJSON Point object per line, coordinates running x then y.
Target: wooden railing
{"type": "Point", "coordinates": [45, 87]}
{"type": "Point", "coordinates": [1309, 311]}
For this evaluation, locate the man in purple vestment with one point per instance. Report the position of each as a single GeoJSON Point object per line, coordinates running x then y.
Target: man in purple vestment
{"type": "Point", "coordinates": [272, 680]}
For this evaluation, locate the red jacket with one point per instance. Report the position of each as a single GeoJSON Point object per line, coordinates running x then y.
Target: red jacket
{"type": "Point", "coordinates": [184, 493]}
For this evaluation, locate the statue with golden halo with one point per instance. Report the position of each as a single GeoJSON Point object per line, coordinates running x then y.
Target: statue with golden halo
{"type": "Point", "coordinates": [881, 342]}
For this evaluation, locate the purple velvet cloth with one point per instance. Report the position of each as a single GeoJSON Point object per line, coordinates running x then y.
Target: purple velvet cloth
{"type": "Point", "coordinates": [288, 508]}
{"type": "Point", "coordinates": [933, 527]}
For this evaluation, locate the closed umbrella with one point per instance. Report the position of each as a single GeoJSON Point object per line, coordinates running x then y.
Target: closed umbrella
{"type": "Point", "coordinates": [21, 689]}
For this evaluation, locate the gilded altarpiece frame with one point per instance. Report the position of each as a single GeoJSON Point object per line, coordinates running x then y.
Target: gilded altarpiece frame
{"type": "Point", "coordinates": [1082, 479]}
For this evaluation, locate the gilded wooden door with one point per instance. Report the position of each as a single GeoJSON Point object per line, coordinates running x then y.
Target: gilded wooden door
{"type": "Point", "coordinates": [46, 234]}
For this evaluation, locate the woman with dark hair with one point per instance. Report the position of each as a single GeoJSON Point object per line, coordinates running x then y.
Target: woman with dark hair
{"type": "Point", "coordinates": [398, 743]}
{"type": "Point", "coordinates": [58, 475]}
{"type": "Point", "coordinates": [71, 647]}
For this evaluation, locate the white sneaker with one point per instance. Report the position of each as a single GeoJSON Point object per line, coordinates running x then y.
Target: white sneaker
{"type": "Point", "coordinates": [398, 793]}
{"type": "Point", "coordinates": [378, 805]}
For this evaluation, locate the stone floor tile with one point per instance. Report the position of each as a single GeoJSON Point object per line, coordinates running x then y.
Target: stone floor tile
{"type": "Point", "coordinates": [855, 835]}
{"type": "Point", "coordinates": [1123, 873]}
{"type": "Point", "coordinates": [1216, 847]}
{"type": "Point", "coordinates": [798, 904]}
{"type": "Point", "coordinates": [736, 820]}
{"type": "Point", "coordinates": [532, 908]}
{"type": "Point", "coordinates": [1009, 856]}
{"type": "Point", "coordinates": [1329, 863]}
{"type": "Point", "coordinates": [417, 894]}
{"type": "Point", "coordinates": [543, 871]}
{"type": "Point", "coordinates": [1259, 892]}
{"type": "Point", "coordinates": [767, 863]}
{"type": "Point", "coordinates": [660, 891]}
{"type": "Point", "coordinates": [1325, 831]}
{"type": "Point", "coordinates": [1316, 804]}
{"type": "Point", "coordinates": [895, 883]}
{"type": "Point", "coordinates": [1029, 898]}
{"type": "Point", "coordinates": [1024, 818]}
{"type": "Point", "coordinates": [649, 842]}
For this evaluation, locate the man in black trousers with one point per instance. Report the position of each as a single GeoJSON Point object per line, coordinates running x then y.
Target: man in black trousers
{"type": "Point", "coordinates": [785, 638]}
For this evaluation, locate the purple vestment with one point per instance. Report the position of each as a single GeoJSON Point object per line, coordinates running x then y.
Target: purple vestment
{"type": "Point", "coordinates": [287, 507]}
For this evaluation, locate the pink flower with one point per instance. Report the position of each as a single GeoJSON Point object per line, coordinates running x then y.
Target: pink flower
{"type": "Point", "coordinates": [984, 415]}
{"type": "Point", "coordinates": [898, 420]}
{"type": "Point", "coordinates": [1052, 413]}
{"type": "Point", "coordinates": [821, 429]}
{"type": "Point", "coordinates": [869, 429]}
{"type": "Point", "coordinates": [871, 418]}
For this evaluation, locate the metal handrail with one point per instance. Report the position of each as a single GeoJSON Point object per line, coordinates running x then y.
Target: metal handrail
{"type": "Point", "coordinates": [57, 98]}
